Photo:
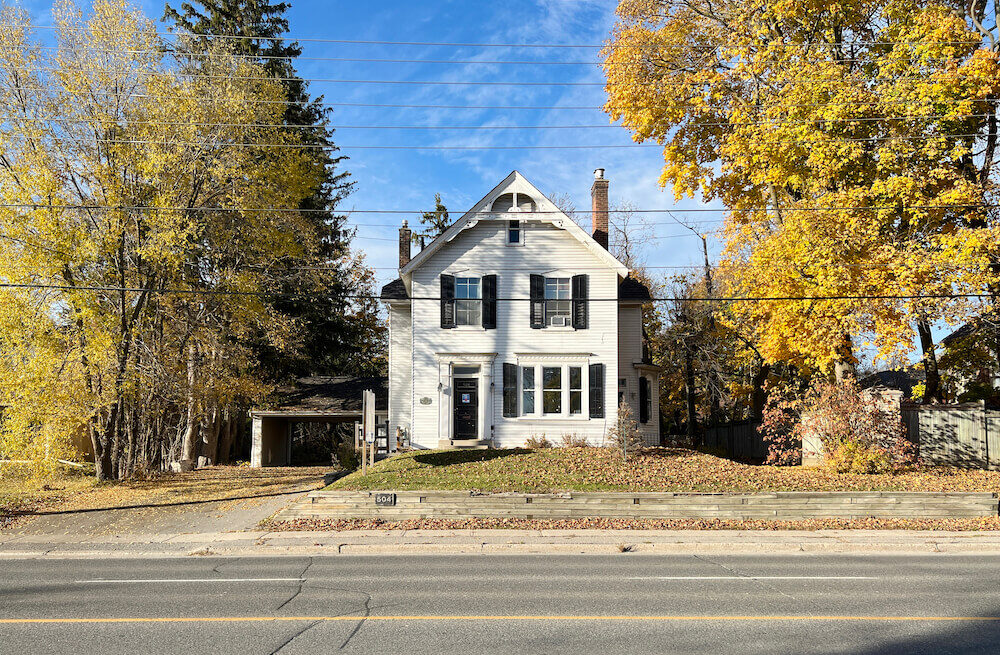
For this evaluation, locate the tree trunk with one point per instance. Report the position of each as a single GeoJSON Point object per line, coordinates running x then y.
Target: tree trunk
{"type": "Point", "coordinates": [759, 396]}
{"type": "Point", "coordinates": [844, 367]}
{"type": "Point", "coordinates": [190, 444]}
{"type": "Point", "coordinates": [689, 396]}
{"type": "Point", "coordinates": [210, 444]}
{"type": "Point", "coordinates": [932, 387]}
{"type": "Point", "coordinates": [226, 440]}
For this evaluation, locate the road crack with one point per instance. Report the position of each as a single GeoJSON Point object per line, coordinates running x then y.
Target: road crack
{"type": "Point", "coordinates": [368, 611]}
{"type": "Point", "coordinates": [294, 637]}
{"type": "Point", "coordinates": [748, 577]}
{"type": "Point", "coordinates": [302, 582]}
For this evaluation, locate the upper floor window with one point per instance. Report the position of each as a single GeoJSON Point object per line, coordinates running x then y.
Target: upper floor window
{"type": "Point", "coordinates": [558, 301]}
{"type": "Point", "coordinates": [514, 236]}
{"type": "Point", "coordinates": [468, 301]}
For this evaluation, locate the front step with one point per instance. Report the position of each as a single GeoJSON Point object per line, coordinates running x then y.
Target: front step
{"type": "Point", "coordinates": [465, 444]}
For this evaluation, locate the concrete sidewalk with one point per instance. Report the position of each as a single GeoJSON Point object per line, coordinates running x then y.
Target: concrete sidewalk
{"type": "Point", "coordinates": [415, 542]}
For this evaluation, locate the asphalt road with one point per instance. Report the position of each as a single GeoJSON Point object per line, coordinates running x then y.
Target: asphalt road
{"type": "Point", "coordinates": [555, 604]}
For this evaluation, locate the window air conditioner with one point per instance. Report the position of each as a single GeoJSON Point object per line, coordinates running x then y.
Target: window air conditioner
{"type": "Point", "coordinates": [559, 321]}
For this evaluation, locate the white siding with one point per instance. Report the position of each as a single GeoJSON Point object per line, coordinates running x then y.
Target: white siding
{"type": "Point", "coordinates": [629, 354]}
{"type": "Point", "coordinates": [400, 367]}
{"type": "Point", "coordinates": [481, 250]}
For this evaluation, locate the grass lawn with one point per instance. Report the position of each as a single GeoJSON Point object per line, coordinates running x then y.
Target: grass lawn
{"type": "Point", "coordinates": [71, 490]}
{"type": "Point", "coordinates": [659, 469]}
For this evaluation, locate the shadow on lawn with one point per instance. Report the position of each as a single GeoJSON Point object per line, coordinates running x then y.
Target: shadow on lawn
{"type": "Point", "coordinates": [449, 457]}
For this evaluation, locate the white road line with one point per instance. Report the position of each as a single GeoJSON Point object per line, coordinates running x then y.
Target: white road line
{"type": "Point", "coordinates": [113, 581]}
{"type": "Point", "coordinates": [755, 577]}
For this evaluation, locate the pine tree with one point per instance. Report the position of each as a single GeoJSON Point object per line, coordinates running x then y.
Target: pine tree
{"type": "Point", "coordinates": [337, 334]}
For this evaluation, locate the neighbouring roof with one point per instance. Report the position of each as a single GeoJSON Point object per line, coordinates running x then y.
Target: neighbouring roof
{"type": "Point", "coordinates": [903, 379]}
{"type": "Point", "coordinates": [335, 394]}
{"type": "Point", "coordinates": [966, 330]}
{"type": "Point", "coordinates": [632, 289]}
{"type": "Point", "coordinates": [395, 290]}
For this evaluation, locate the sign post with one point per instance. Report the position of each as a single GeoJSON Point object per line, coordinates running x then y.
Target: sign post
{"type": "Point", "coordinates": [368, 411]}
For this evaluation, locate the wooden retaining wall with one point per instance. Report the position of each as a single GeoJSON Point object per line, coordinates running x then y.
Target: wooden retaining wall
{"type": "Point", "coordinates": [774, 506]}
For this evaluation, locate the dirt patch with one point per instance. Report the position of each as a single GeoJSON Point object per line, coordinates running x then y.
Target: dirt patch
{"type": "Point", "coordinates": [186, 501]}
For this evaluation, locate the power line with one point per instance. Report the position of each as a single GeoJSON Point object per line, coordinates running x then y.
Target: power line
{"type": "Point", "coordinates": [291, 38]}
{"type": "Point", "coordinates": [833, 139]}
{"type": "Point", "coordinates": [356, 296]}
{"type": "Point", "coordinates": [765, 123]}
{"type": "Point", "coordinates": [521, 215]}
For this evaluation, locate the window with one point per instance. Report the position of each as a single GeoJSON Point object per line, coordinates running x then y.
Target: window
{"type": "Point", "coordinates": [468, 301]}
{"type": "Point", "coordinates": [514, 233]}
{"type": "Point", "coordinates": [552, 389]}
{"type": "Point", "coordinates": [575, 390]}
{"type": "Point", "coordinates": [527, 389]}
{"type": "Point", "coordinates": [558, 301]}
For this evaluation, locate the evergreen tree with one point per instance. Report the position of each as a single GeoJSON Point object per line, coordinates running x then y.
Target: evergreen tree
{"type": "Point", "coordinates": [338, 335]}
{"type": "Point", "coordinates": [435, 222]}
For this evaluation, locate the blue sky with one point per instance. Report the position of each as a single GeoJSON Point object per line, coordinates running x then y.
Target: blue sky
{"type": "Point", "coordinates": [408, 179]}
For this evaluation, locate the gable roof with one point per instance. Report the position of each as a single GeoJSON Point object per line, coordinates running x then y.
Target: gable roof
{"type": "Point", "coordinates": [549, 213]}
{"type": "Point", "coordinates": [632, 289]}
{"type": "Point", "coordinates": [395, 290]}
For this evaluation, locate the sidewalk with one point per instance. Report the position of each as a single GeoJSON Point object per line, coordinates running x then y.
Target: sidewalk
{"type": "Point", "coordinates": [498, 542]}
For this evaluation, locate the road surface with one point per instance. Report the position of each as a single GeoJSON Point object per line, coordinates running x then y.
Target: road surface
{"type": "Point", "coordinates": [549, 604]}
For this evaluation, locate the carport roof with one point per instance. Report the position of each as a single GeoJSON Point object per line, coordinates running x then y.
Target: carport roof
{"type": "Point", "coordinates": [333, 396]}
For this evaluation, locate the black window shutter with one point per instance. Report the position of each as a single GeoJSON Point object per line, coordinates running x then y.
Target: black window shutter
{"type": "Point", "coordinates": [597, 391]}
{"type": "Point", "coordinates": [447, 301]}
{"type": "Point", "coordinates": [644, 400]}
{"type": "Point", "coordinates": [490, 302]}
{"type": "Point", "coordinates": [537, 301]}
{"type": "Point", "coordinates": [509, 390]}
{"type": "Point", "coordinates": [580, 284]}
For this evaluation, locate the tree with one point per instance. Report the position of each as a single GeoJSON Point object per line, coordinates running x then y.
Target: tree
{"type": "Point", "coordinates": [853, 144]}
{"type": "Point", "coordinates": [149, 219]}
{"type": "Point", "coordinates": [435, 222]}
{"type": "Point", "coordinates": [338, 334]}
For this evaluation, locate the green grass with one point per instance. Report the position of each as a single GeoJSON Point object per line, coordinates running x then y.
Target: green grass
{"type": "Point", "coordinates": [658, 469]}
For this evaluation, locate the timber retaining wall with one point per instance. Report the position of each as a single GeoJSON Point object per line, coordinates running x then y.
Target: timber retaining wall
{"type": "Point", "coordinates": [779, 506]}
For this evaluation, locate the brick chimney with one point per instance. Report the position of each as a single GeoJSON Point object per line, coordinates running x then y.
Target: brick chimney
{"type": "Point", "coordinates": [405, 238]}
{"type": "Point", "coordinates": [599, 208]}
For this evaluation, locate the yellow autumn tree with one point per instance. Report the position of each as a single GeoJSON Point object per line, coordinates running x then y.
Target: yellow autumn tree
{"type": "Point", "coordinates": [143, 201]}
{"type": "Point", "coordinates": [853, 145]}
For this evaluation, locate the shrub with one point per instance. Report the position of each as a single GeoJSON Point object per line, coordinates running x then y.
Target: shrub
{"type": "Point", "coordinates": [574, 441]}
{"type": "Point", "coordinates": [624, 435]}
{"type": "Point", "coordinates": [778, 428]}
{"type": "Point", "coordinates": [537, 442]}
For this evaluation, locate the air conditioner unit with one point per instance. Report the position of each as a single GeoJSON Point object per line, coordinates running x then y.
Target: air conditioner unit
{"type": "Point", "coordinates": [558, 321]}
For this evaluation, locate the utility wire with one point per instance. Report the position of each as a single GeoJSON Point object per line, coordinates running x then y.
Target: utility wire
{"type": "Point", "coordinates": [126, 122]}
{"type": "Point", "coordinates": [292, 38]}
{"type": "Point", "coordinates": [519, 215]}
{"type": "Point", "coordinates": [355, 296]}
{"type": "Point", "coordinates": [833, 139]}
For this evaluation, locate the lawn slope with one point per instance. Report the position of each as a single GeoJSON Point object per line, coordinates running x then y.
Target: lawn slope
{"type": "Point", "coordinates": [659, 469]}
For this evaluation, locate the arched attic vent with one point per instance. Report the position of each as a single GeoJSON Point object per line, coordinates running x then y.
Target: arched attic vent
{"type": "Point", "coordinates": [513, 202]}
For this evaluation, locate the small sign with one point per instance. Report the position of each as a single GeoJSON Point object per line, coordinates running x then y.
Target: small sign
{"type": "Point", "coordinates": [466, 398]}
{"type": "Point", "coordinates": [425, 401]}
{"type": "Point", "coordinates": [385, 500]}
{"type": "Point", "coordinates": [370, 437]}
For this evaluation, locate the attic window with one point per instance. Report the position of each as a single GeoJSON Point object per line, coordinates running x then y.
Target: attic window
{"type": "Point", "coordinates": [513, 202]}
{"type": "Point", "coordinates": [515, 237]}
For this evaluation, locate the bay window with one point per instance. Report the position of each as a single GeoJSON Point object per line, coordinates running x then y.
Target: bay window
{"type": "Point", "coordinates": [552, 390]}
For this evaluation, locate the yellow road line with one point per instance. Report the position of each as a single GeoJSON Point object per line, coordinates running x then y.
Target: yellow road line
{"type": "Point", "coordinates": [420, 617]}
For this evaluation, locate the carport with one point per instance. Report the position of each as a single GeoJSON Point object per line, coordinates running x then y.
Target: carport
{"type": "Point", "coordinates": [326, 399]}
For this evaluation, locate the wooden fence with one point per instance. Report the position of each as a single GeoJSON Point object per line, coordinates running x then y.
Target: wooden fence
{"type": "Point", "coordinates": [737, 440]}
{"type": "Point", "coordinates": [966, 435]}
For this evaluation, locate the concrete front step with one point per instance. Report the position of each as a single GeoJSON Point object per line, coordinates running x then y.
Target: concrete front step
{"type": "Point", "coordinates": [465, 444]}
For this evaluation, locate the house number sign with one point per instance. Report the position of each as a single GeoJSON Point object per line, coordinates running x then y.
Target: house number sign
{"type": "Point", "coordinates": [385, 500]}
{"type": "Point", "coordinates": [425, 401]}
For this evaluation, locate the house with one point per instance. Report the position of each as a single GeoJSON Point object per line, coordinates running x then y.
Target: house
{"type": "Point", "coordinates": [515, 322]}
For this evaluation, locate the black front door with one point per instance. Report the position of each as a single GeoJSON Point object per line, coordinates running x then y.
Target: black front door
{"type": "Point", "coordinates": [466, 408]}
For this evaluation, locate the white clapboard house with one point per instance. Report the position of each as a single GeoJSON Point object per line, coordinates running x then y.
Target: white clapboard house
{"type": "Point", "coordinates": [515, 322]}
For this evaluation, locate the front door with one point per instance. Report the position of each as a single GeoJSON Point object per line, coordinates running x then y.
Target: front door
{"type": "Point", "coordinates": [466, 409]}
